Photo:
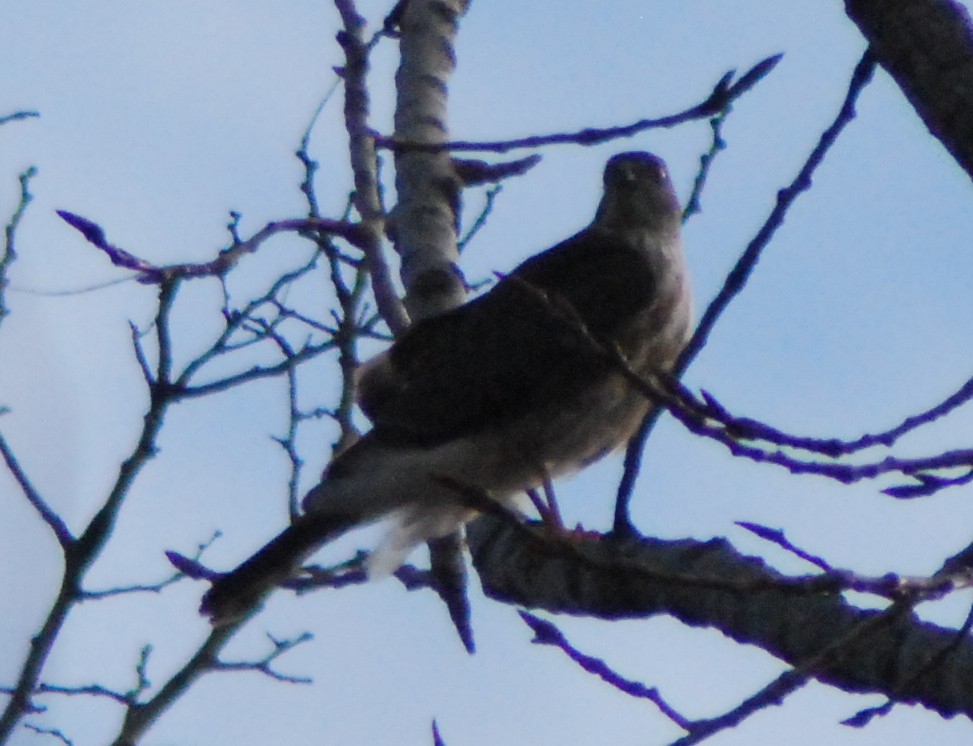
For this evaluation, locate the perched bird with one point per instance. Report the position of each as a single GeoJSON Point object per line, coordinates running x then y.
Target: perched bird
{"type": "Point", "coordinates": [504, 392]}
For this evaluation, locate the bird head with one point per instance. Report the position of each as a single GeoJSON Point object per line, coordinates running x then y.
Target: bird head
{"type": "Point", "coordinates": [638, 194]}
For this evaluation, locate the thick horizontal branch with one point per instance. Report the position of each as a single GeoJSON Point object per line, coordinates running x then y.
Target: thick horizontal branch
{"type": "Point", "coordinates": [602, 578]}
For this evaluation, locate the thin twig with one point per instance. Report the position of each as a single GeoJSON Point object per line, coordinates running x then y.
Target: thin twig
{"type": "Point", "coordinates": [140, 716]}
{"type": "Point", "coordinates": [89, 690]}
{"type": "Point", "coordinates": [545, 633]}
{"type": "Point", "coordinates": [695, 416]}
{"type": "Point", "coordinates": [792, 680]}
{"type": "Point", "coordinates": [54, 732]}
{"type": "Point", "coordinates": [158, 587]}
{"type": "Point", "coordinates": [738, 276]}
{"type": "Point", "coordinates": [140, 358]}
{"type": "Point", "coordinates": [18, 115]}
{"type": "Point", "coordinates": [476, 172]}
{"type": "Point", "coordinates": [722, 96]}
{"type": "Point", "coordinates": [346, 336]}
{"type": "Point", "coordinates": [226, 259]}
{"type": "Point", "coordinates": [255, 373]}
{"type": "Point", "coordinates": [236, 319]}
{"type": "Point", "coordinates": [61, 532]}
{"type": "Point", "coordinates": [481, 219]}
{"type": "Point", "coordinates": [737, 279]}
{"type": "Point", "coordinates": [776, 536]}
{"type": "Point", "coordinates": [9, 252]}
{"type": "Point", "coordinates": [303, 155]}
{"type": "Point", "coordinates": [437, 739]}
{"type": "Point", "coordinates": [97, 690]}
{"type": "Point", "coordinates": [289, 441]}
{"type": "Point", "coordinates": [706, 160]}
{"type": "Point", "coordinates": [265, 664]}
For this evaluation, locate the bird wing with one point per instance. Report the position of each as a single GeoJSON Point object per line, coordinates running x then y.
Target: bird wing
{"type": "Point", "coordinates": [514, 349]}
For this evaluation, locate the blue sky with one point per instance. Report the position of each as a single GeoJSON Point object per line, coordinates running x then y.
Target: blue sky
{"type": "Point", "coordinates": [157, 118]}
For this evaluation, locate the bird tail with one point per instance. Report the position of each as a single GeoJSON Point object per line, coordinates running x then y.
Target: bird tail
{"type": "Point", "coordinates": [408, 528]}
{"type": "Point", "coordinates": [241, 591]}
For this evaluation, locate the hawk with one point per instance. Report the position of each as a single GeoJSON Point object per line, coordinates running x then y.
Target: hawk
{"type": "Point", "coordinates": [502, 393]}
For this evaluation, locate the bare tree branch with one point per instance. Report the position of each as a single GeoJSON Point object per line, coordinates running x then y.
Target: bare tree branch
{"type": "Point", "coordinates": [237, 319]}
{"type": "Point", "coordinates": [151, 274]}
{"type": "Point", "coordinates": [864, 717]}
{"type": "Point", "coordinates": [18, 115]}
{"type": "Point", "coordinates": [425, 221]}
{"type": "Point", "coordinates": [491, 196]}
{"type": "Point", "coordinates": [711, 420]}
{"type": "Point", "coordinates": [802, 620]}
{"type": "Point", "coordinates": [47, 514]}
{"type": "Point", "coordinates": [80, 553]}
{"type": "Point", "coordinates": [706, 161]}
{"type": "Point", "coordinates": [737, 279]}
{"type": "Point", "coordinates": [596, 578]}
{"type": "Point", "coordinates": [157, 587]}
{"type": "Point", "coordinates": [545, 633]}
{"type": "Point", "coordinates": [437, 739]}
{"type": "Point", "coordinates": [790, 681]}
{"type": "Point", "coordinates": [745, 427]}
{"type": "Point", "coordinates": [254, 373]}
{"type": "Point", "coordinates": [90, 690]}
{"type": "Point", "coordinates": [365, 166]}
{"type": "Point", "coordinates": [722, 97]}
{"type": "Point", "coordinates": [9, 253]}
{"type": "Point", "coordinates": [740, 273]}
{"type": "Point", "coordinates": [303, 155]}
{"type": "Point", "coordinates": [54, 732]}
{"type": "Point", "coordinates": [347, 332]}
{"type": "Point", "coordinates": [265, 664]}
{"type": "Point", "coordinates": [927, 48]}
{"type": "Point", "coordinates": [447, 570]}
{"type": "Point", "coordinates": [426, 217]}
{"type": "Point", "coordinates": [139, 717]}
